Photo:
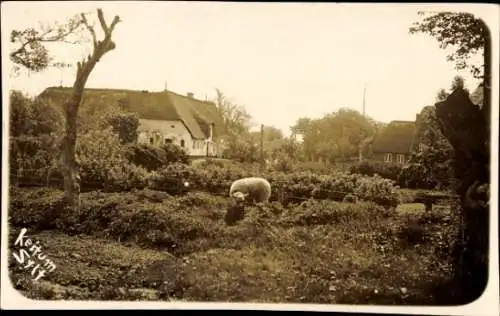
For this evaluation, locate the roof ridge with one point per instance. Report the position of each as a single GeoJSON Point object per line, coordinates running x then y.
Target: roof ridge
{"type": "Point", "coordinates": [190, 98]}
{"type": "Point", "coordinates": [94, 89]}
{"type": "Point", "coordinates": [134, 91]}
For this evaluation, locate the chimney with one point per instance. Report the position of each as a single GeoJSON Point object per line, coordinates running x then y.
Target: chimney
{"type": "Point", "coordinates": [190, 95]}
{"type": "Point", "coordinates": [211, 136]}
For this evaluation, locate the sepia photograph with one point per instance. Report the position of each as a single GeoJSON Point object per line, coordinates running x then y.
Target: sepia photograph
{"type": "Point", "coordinates": [299, 154]}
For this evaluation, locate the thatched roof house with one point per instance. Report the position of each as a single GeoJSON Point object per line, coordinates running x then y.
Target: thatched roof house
{"type": "Point", "coordinates": [164, 117]}
{"type": "Point", "coordinates": [395, 141]}
{"type": "Point", "coordinates": [196, 115]}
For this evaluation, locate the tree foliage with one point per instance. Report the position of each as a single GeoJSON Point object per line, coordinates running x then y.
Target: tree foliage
{"type": "Point", "coordinates": [32, 116]}
{"type": "Point", "coordinates": [273, 141]}
{"type": "Point", "coordinates": [458, 83]}
{"type": "Point", "coordinates": [434, 153]}
{"type": "Point", "coordinates": [441, 95]}
{"type": "Point", "coordinates": [125, 125]}
{"type": "Point", "coordinates": [466, 126]}
{"type": "Point", "coordinates": [337, 135]}
{"type": "Point", "coordinates": [462, 31]}
{"type": "Point", "coordinates": [30, 49]}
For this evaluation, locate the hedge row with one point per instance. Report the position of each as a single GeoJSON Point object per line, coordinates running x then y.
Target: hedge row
{"type": "Point", "coordinates": [287, 187]}
{"type": "Point", "coordinates": [180, 224]}
{"type": "Point", "coordinates": [412, 176]}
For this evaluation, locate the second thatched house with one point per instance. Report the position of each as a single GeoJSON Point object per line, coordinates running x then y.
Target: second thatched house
{"type": "Point", "coordinates": [395, 142]}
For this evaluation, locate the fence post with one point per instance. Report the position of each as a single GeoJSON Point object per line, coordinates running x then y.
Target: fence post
{"type": "Point", "coordinates": [261, 147]}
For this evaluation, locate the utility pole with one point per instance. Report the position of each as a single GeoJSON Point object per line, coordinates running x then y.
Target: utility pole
{"type": "Point", "coordinates": [362, 144]}
{"type": "Point", "coordinates": [261, 147]}
{"type": "Point", "coordinates": [364, 96]}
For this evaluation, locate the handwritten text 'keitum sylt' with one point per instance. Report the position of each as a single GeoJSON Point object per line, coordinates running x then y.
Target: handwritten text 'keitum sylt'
{"type": "Point", "coordinates": [31, 256]}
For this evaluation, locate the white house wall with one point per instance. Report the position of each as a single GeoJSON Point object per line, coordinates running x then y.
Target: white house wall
{"type": "Point", "coordinates": [160, 130]}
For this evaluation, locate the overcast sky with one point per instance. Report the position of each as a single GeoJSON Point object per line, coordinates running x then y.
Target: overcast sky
{"type": "Point", "coordinates": [281, 61]}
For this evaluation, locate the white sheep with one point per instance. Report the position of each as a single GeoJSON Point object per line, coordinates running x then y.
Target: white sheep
{"type": "Point", "coordinates": [254, 189]}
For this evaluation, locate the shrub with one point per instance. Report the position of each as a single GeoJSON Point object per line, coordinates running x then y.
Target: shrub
{"type": "Point", "coordinates": [103, 164]}
{"type": "Point", "coordinates": [234, 214]}
{"type": "Point", "coordinates": [201, 199]}
{"type": "Point", "coordinates": [378, 190]}
{"type": "Point", "coordinates": [35, 208]}
{"type": "Point", "coordinates": [175, 153]}
{"type": "Point", "coordinates": [125, 125]}
{"type": "Point", "coordinates": [149, 157]}
{"type": "Point", "coordinates": [327, 212]}
{"type": "Point", "coordinates": [283, 164]}
{"type": "Point", "coordinates": [154, 158]}
{"type": "Point", "coordinates": [32, 156]}
{"type": "Point", "coordinates": [113, 215]}
{"type": "Point", "coordinates": [313, 167]}
{"type": "Point", "coordinates": [173, 178]}
{"type": "Point", "coordinates": [350, 198]}
{"type": "Point", "coordinates": [299, 186]}
{"type": "Point", "coordinates": [383, 169]}
{"type": "Point", "coordinates": [416, 176]}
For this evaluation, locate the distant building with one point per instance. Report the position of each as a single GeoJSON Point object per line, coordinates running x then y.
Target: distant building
{"type": "Point", "coordinates": [395, 142]}
{"type": "Point", "coordinates": [165, 117]}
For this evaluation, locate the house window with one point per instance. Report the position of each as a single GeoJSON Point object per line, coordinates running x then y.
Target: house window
{"type": "Point", "coordinates": [401, 158]}
{"type": "Point", "coordinates": [388, 157]}
{"type": "Point", "coordinates": [172, 126]}
{"type": "Point", "coordinates": [183, 143]}
{"type": "Point", "coordinates": [168, 141]}
{"type": "Point", "coordinates": [151, 140]}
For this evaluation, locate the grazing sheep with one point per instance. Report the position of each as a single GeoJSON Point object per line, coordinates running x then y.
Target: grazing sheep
{"type": "Point", "coordinates": [254, 189]}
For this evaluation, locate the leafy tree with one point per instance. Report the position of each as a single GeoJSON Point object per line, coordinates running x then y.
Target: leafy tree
{"type": "Point", "coordinates": [468, 35]}
{"type": "Point", "coordinates": [458, 83]}
{"type": "Point", "coordinates": [338, 135]}
{"type": "Point", "coordinates": [32, 117]}
{"type": "Point", "coordinates": [33, 55]}
{"type": "Point", "coordinates": [125, 125]}
{"type": "Point", "coordinates": [441, 95]}
{"type": "Point", "coordinates": [273, 141]}
{"type": "Point", "coordinates": [467, 127]}
{"type": "Point", "coordinates": [461, 30]}
{"type": "Point", "coordinates": [242, 149]}
{"type": "Point", "coordinates": [434, 152]}
{"type": "Point", "coordinates": [477, 95]}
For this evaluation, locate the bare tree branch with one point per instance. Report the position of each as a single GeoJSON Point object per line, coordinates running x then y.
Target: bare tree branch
{"type": "Point", "coordinates": [90, 28]}
{"type": "Point", "coordinates": [104, 26]}
{"type": "Point", "coordinates": [113, 24]}
{"type": "Point", "coordinates": [31, 52]}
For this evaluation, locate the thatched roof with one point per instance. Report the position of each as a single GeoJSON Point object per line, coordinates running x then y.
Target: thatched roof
{"type": "Point", "coordinates": [196, 115]}
{"type": "Point", "coordinates": [396, 137]}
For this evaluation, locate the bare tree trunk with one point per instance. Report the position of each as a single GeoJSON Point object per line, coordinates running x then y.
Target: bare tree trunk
{"type": "Point", "coordinates": [71, 174]}
{"type": "Point", "coordinates": [487, 83]}
{"type": "Point", "coordinates": [70, 171]}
